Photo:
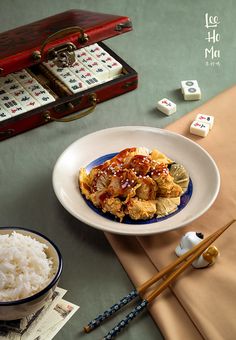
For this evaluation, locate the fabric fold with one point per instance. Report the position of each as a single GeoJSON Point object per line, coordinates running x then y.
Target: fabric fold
{"type": "Point", "coordinates": [201, 303]}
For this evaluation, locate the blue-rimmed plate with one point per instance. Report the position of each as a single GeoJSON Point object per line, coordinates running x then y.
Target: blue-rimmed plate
{"type": "Point", "coordinates": [101, 145]}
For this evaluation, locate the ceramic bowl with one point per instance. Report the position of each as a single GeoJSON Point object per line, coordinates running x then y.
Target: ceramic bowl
{"type": "Point", "coordinates": [13, 310]}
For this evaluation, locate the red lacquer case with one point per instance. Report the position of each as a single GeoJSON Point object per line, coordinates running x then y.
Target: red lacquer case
{"type": "Point", "coordinates": [56, 40]}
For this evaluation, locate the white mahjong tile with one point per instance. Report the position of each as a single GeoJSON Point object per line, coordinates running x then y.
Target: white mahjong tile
{"type": "Point", "coordinates": [206, 119]}
{"type": "Point", "coordinates": [166, 106]}
{"type": "Point", "coordinates": [21, 75]}
{"type": "Point", "coordinates": [74, 84]}
{"type": "Point", "coordinates": [192, 93]}
{"type": "Point", "coordinates": [12, 87]}
{"type": "Point", "coordinates": [54, 68]}
{"type": "Point", "coordinates": [101, 72]}
{"type": "Point", "coordinates": [9, 79]}
{"type": "Point", "coordinates": [27, 101]}
{"type": "Point", "coordinates": [4, 97]}
{"type": "Point", "coordinates": [66, 74]}
{"type": "Point", "coordinates": [114, 67]}
{"type": "Point", "coordinates": [34, 87]}
{"type": "Point", "coordinates": [4, 114]}
{"type": "Point", "coordinates": [2, 91]}
{"type": "Point", "coordinates": [29, 82]}
{"type": "Point", "coordinates": [19, 93]}
{"type": "Point", "coordinates": [188, 83]}
{"type": "Point", "coordinates": [84, 74]}
{"type": "Point", "coordinates": [94, 49]}
{"type": "Point", "coordinates": [43, 97]}
{"type": "Point", "coordinates": [10, 104]}
{"type": "Point", "coordinates": [199, 129]}
{"type": "Point", "coordinates": [81, 53]}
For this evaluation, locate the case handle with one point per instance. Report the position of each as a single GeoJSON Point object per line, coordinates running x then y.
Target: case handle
{"type": "Point", "coordinates": [37, 55]}
{"type": "Point", "coordinates": [93, 101]}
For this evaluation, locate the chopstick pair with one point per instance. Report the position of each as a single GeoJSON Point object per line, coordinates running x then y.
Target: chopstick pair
{"type": "Point", "coordinates": [173, 272]}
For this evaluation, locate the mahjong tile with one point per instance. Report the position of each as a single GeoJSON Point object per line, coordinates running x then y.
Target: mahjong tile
{"type": "Point", "coordinates": [10, 104]}
{"type": "Point", "coordinates": [4, 114]}
{"type": "Point", "coordinates": [29, 82]}
{"type": "Point", "coordinates": [19, 93]}
{"type": "Point", "coordinates": [192, 93]}
{"type": "Point", "coordinates": [28, 102]}
{"type": "Point", "coordinates": [21, 75]}
{"type": "Point", "coordinates": [4, 97]}
{"type": "Point", "coordinates": [66, 74]}
{"type": "Point", "coordinates": [166, 106]}
{"type": "Point", "coordinates": [84, 74]}
{"type": "Point", "coordinates": [188, 83]}
{"type": "Point", "coordinates": [54, 68]}
{"type": "Point", "coordinates": [114, 67]}
{"type": "Point", "coordinates": [2, 91]}
{"type": "Point", "coordinates": [75, 84]}
{"type": "Point", "coordinates": [12, 87]}
{"type": "Point", "coordinates": [94, 48]}
{"type": "Point", "coordinates": [9, 79]}
{"type": "Point", "coordinates": [206, 119]}
{"type": "Point", "coordinates": [43, 97]}
{"type": "Point", "coordinates": [199, 129]}
{"type": "Point", "coordinates": [101, 72]}
{"type": "Point", "coordinates": [81, 53]}
{"type": "Point", "coordinates": [34, 87]}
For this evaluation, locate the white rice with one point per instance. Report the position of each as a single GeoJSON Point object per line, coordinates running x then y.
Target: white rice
{"type": "Point", "coordinates": [25, 268]}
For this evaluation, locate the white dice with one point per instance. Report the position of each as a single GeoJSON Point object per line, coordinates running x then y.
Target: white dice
{"type": "Point", "coordinates": [166, 106]}
{"type": "Point", "coordinates": [190, 90]}
{"type": "Point", "coordinates": [199, 129]}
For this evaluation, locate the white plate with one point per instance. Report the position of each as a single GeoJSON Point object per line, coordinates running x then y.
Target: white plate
{"type": "Point", "coordinates": [201, 167]}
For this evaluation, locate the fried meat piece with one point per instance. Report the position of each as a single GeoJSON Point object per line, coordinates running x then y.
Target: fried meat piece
{"type": "Point", "coordinates": [141, 210]}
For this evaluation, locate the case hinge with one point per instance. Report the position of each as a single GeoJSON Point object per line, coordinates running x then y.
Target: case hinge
{"type": "Point", "coordinates": [121, 26]}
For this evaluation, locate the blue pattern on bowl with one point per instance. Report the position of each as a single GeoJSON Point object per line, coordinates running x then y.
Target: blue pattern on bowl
{"type": "Point", "coordinates": [183, 200]}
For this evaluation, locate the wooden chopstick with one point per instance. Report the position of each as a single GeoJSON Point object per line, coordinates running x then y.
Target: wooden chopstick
{"type": "Point", "coordinates": [168, 269]}
{"type": "Point", "coordinates": [194, 253]}
{"type": "Point", "coordinates": [182, 258]}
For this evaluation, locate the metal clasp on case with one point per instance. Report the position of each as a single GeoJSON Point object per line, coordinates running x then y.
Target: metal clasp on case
{"type": "Point", "coordinates": [63, 55]}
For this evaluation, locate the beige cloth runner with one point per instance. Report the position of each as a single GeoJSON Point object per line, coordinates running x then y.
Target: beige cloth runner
{"type": "Point", "coordinates": [201, 304]}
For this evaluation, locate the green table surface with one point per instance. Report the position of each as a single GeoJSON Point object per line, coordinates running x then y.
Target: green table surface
{"type": "Point", "coordinates": [166, 46]}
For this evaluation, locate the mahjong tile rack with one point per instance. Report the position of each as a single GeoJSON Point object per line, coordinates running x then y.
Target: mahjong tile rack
{"type": "Point", "coordinates": [52, 69]}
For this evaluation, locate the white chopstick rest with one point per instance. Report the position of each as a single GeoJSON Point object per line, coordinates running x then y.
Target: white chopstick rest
{"type": "Point", "coordinates": [191, 239]}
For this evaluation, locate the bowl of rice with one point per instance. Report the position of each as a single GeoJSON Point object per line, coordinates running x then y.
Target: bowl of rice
{"type": "Point", "coordinates": [30, 267]}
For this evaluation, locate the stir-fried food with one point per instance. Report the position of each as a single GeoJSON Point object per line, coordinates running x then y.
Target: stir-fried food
{"type": "Point", "coordinates": [136, 183]}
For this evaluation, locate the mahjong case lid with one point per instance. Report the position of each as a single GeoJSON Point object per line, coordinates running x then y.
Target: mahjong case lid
{"type": "Point", "coordinates": [32, 43]}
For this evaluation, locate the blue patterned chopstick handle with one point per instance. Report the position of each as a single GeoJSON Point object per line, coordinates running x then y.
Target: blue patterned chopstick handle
{"type": "Point", "coordinates": [100, 318]}
{"type": "Point", "coordinates": [123, 323]}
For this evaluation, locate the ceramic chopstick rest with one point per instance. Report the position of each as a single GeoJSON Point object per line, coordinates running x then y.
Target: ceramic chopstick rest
{"type": "Point", "coordinates": [191, 239]}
